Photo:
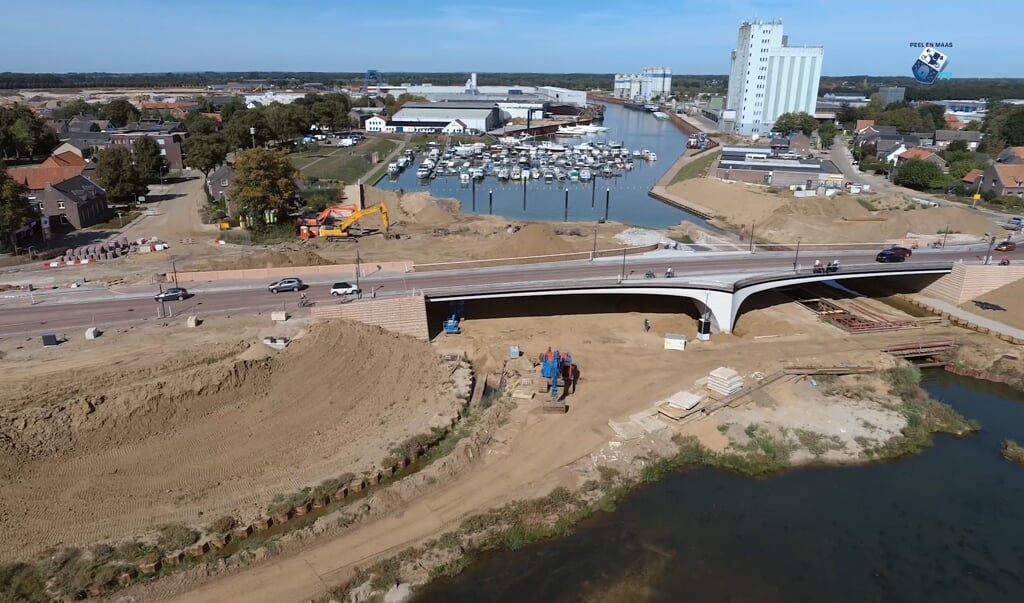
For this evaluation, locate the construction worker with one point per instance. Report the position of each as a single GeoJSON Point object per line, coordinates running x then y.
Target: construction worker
{"type": "Point", "coordinates": [303, 300]}
{"type": "Point", "coordinates": [669, 273]}
{"type": "Point", "coordinates": [818, 267]}
{"type": "Point", "coordinates": [647, 325]}
{"type": "Point", "coordinates": [549, 354]}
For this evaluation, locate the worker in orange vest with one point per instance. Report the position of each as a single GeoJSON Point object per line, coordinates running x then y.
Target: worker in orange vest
{"type": "Point", "coordinates": [549, 355]}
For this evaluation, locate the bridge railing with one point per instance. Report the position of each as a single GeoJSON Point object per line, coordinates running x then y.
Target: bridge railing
{"type": "Point", "coordinates": [845, 271]}
{"type": "Point", "coordinates": [535, 259]}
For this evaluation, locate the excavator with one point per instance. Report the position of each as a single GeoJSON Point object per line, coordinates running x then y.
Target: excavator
{"type": "Point", "coordinates": [309, 227]}
{"type": "Point", "coordinates": [348, 229]}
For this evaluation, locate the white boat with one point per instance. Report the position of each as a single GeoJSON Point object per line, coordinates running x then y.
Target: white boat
{"type": "Point", "coordinates": [503, 174]}
{"type": "Point", "coordinates": [559, 174]}
{"type": "Point", "coordinates": [651, 156]}
{"type": "Point", "coordinates": [660, 115]}
{"type": "Point", "coordinates": [423, 172]}
{"type": "Point", "coordinates": [549, 176]}
{"type": "Point", "coordinates": [585, 175]}
{"type": "Point", "coordinates": [572, 131]}
{"type": "Point", "coordinates": [574, 176]}
{"type": "Point", "coordinates": [464, 177]}
{"type": "Point", "coordinates": [516, 173]}
{"type": "Point", "coordinates": [589, 129]}
{"type": "Point", "coordinates": [393, 168]}
{"type": "Point", "coordinates": [637, 153]}
{"type": "Point", "coordinates": [535, 174]}
{"type": "Point", "coordinates": [477, 173]}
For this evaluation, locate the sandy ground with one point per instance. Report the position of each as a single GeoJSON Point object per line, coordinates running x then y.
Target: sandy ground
{"type": "Point", "coordinates": [1005, 304]}
{"type": "Point", "coordinates": [780, 217]}
{"type": "Point", "coordinates": [107, 438]}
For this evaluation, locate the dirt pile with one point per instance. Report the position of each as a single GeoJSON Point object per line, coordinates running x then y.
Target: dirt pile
{"type": "Point", "coordinates": [423, 208]}
{"type": "Point", "coordinates": [536, 239]}
{"type": "Point", "coordinates": [838, 219]}
{"type": "Point", "coordinates": [166, 438]}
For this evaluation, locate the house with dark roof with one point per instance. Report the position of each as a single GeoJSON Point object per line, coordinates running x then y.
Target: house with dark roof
{"type": "Point", "coordinates": [75, 202]}
{"type": "Point", "coordinates": [219, 181]}
{"type": "Point", "coordinates": [944, 137]}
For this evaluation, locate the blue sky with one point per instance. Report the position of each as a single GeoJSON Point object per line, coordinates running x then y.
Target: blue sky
{"type": "Point", "coordinates": [596, 36]}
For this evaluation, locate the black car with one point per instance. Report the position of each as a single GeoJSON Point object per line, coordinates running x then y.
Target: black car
{"type": "Point", "coordinates": [904, 251]}
{"type": "Point", "coordinates": [889, 256]}
{"type": "Point", "coordinates": [178, 293]}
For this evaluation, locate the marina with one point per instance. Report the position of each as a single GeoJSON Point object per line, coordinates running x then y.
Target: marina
{"type": "Point", "coordinates": [527, 177]}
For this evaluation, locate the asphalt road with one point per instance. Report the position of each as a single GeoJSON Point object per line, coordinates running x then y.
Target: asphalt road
{"type": "Point", "coordinates": [25, 316]}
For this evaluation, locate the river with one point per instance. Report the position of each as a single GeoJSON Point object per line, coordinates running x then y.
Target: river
{"type": "Point", "coordinates": [946, 525]}
{"type": "Point", "coordinates": [627, 194]}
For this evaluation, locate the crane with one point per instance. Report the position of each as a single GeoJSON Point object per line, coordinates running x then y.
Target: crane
{"type": "Point", "coordinates": [344, 231]}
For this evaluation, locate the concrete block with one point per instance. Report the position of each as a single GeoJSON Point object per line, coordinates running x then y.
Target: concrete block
{"type": "Point", "coordinates": [193, 322]}
{"type": "Point", "coordinates": [92, 333]}
{"type": "Point", "coordinates": [279, 316]}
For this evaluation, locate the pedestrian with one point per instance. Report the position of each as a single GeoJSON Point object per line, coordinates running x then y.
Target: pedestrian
{"type": "Point", "coordinates": [647, 325]}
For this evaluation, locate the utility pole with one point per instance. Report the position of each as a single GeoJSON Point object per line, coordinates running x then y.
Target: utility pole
{"type": "Point", "coordinates": [991, 244]}
{"type": "Point", "coordinates": [751, 246]}
{"type": "Point", "coordinates": [358, 269]}
{"type": "Point", "coordinates": [945, 233]}
{"type": "Point", "coordinates": [593, 191]}
{"type": "Point", "coordinates": [796, 259]}
{"type": "Point", "coordinates": [174, 270]}
{"type": "Point", "coordinates": [623, 276]}
{"type": "Point", "coordinates": [607, 199]}
{"type": "Point", "coordinates": [566, 217]}
{"type": "Point", "coordinates": [161, 311]}
{"type": "Point", "coordinates": [594, 254]}
{"type": "Point", "coordinates": [977, 191]}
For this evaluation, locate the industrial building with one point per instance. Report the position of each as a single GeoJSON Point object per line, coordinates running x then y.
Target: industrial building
{"type": "Point", "coordinates": [768, 77]}
{"type": "Point", "coordinates": [764, 165]}
{"type": "Point", "coordinates": [471, 92]}
{"type": "Point", "coordinates": [654, 82]}
{"type": "Point", "coordinates": [443, 117]}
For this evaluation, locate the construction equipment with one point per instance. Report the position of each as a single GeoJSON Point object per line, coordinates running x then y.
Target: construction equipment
{"type": "Point", "coordinates": [347, 229]}
{"type": "Point", "coordinates": [558, 372]}
{"type": "Point", "coordinates": [309, 227]}
{"type": "Point", "coordinates": [451, 325]}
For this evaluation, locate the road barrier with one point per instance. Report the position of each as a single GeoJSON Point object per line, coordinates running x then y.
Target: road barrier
{"type": "Point", "coordinates": [535, 259]}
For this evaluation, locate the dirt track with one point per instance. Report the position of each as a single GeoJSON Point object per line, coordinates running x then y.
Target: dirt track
{"type": "Point", "coordinates": [174, 425]}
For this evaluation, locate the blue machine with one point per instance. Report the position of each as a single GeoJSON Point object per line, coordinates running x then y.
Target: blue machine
{"type": "Point", "coordinates": [552, 369]}
{"type": "Point", "coordinates": [457, 309]}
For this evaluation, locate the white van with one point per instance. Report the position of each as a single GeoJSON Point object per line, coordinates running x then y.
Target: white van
{"type": "Point", "coordinates": [346, 142]}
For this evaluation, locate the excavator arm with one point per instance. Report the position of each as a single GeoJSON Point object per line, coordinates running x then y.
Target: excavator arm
{"type": "Point", "coordinates": [341, 229]}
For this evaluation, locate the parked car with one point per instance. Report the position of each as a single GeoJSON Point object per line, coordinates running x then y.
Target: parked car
{"type": "Point", "coordinates": [889, 256]}
{"type": "Point", "coordinates": [904, 251]}
{"type": "Point", "coordinates": [1006, 246]}
{"type": "Point", "coordinates": [286, 284]}
{"type": "Point", "coordinates": [174, 293]}
{"type": "Point", "coordinates": [344, 288]}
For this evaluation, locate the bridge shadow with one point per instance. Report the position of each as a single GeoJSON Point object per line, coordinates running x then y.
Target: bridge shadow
{"type": "Point", "coordinates": [563, 305]}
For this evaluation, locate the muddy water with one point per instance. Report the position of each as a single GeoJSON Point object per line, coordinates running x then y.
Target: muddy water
{"type": "Point", "coordinates": [627, 194]}
{"type": "Point", "coordinates": [947, 525]}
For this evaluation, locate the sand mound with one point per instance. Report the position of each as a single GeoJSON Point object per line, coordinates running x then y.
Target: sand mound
{"type": "Point", "coordinates": [536, 239]}
{"type": "Point", "coordinates": [1005, 304]}
{"type": "Point", "coordinates": [423, 208]}
{"type": "Point", "coordinates": [838, 219]}
{"type": "Point", "coordinates": [196, 432]}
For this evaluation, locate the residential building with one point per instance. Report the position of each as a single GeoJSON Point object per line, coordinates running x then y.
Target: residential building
{"type": "Point", "coordinates": [767, 78]}
{"type": "Point", "coordinates": [38, 177]}
{"type": "Point", "coordinates": [74, 202]}
{"type": "Point", "coordinates": [920, 155]}
{"type": "Point", "coordinates": [1011, 155]}
{"type": "Point", "coordinates": [972, 177]}
{"type": "Point", "coordinates": [944, 137]}
{"type": "Point", "coordinates": [798, 143]}
{"type": "Point", "coordinates": [455, 127]}
{"type": "Point", "coordinates": [219, 181]}
{"type": "Point", "coordinates": [377, 124]}
{"type": "Point", "coordinates": [1005, 179]}
{"type": "Point", "coordinates": [953, 122]}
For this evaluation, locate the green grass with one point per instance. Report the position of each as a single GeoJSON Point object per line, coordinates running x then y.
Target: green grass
{"type": "Point", "coordinates": [115, 223]}
{"type": "Point", "coordinates": [697, 168]}
{"type": "Point", "coordinates": [1013, 451]}
{"type": "Point", "coordinates": [344, 164]}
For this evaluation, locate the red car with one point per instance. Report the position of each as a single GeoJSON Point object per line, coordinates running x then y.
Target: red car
{"type": "Point", "coordinates": [903, 251]}
{"type": "Point", "coordinates": [1006, 246]}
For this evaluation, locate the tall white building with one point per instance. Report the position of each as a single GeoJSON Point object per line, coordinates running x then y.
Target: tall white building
{"type": "Point", "coordinates": [768, 78]}
{"type": "Point", "coordinates": [654, 81]}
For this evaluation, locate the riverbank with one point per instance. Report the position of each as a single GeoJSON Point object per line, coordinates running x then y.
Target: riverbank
{"type": "Point", "coordinates": [907, 419]}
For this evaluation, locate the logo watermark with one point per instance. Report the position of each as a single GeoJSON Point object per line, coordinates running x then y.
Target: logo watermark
{"type": "Point", "coordinates": [931, 64]}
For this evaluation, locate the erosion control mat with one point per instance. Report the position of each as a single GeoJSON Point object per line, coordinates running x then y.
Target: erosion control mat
{"type": "Point", "coordinates": [185, 435]}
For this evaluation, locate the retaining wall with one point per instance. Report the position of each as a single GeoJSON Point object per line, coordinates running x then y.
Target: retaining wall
{"type": "Point", "coordinates": [961, 321]}
{"type": "Point", "coordinates": [340, 270]}
{"type": "Point", "coordinates": [967, 282]}
{"type": "Point", "coordinates": [405, 315]}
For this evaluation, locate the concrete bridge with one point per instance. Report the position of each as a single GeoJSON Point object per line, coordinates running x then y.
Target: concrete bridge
{"type": "Point", "coordinates": [720, 300]}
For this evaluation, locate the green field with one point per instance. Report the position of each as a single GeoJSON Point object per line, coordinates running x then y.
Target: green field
{"type": "Point", "coordinates": [345, 164]}
{"type": "Point", "coordinates": [696, 168]}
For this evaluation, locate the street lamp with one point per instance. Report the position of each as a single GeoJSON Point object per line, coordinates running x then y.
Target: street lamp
{"type": "Point", "coordinates": [977, 191]}
{"type": "Point", "coordinates": [252, 132]}
{"type": "Point", "coordinates": [796, 258]}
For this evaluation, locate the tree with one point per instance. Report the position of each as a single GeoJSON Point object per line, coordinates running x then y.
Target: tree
{"type": "Point", "coordinates": [793, 122]}
{"type": "Point", "coordinates": [264, 181]}
{"type": "Point", "coordinates": [74, 108]}
{"type": "Point", "coordinates": [119, 112]}
{"type": "Point", "coordinates": [237, 130]}
{"type": "Point", "coordinates": [933, 117]}
{"type": "Point", "coordinates": [15, 207]}
{"type": "Point", "coordinates": [847, 115]}
{"type": "Point", "coordinates": [197, 123]}
{"type": "Point", "coordinates": [117, 173]}
{"type": "Point", "coordinates": [205, 152]}
{"type": "Point", "coordinates": [918, 174]}
{"type": "Point", "coordinates": [287, 122]}
{"type": "Point", "coordinates": [148, 161]}
{"type": "Point", "coordinates": [827, 134]}
{"type": "Point", "coordinates": [228, 111]}
{"type": "Point", "coordinates": [205, 104]}
{"type": "Point", "coordinates": [905, 120]}
{"type": "Point", "coordinates": [22, 134]}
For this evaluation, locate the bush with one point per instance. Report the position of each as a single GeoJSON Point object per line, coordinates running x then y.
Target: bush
{"type": "Point", "coordinates": [223, 525]}
{"type": "Point", "coordinates": [22, 582]}
{"type": "Point", "coordinates": [176, 537]}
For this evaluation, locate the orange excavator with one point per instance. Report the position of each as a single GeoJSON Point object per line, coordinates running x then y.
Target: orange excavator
{"type": "Point", "coordinates": [348, 229]}
{"type": "Point", "coordinates": [309, 227]}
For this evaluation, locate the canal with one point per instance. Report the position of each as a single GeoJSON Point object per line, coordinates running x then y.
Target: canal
{"type": "Point", "coordinates": [946, 525]}
{"type": "Point", "coordinates": [627, 194]}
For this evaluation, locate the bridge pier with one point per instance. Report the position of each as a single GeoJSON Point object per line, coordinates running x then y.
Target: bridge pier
{"type": "Point", "coordinates": [718, 306]}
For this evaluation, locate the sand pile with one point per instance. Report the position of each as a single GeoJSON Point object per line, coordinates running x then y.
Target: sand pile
{"type": "Point", "coordinates": [423, 208]}
{"type": "Point", "coordinates": [177, 434]}
{"type": "Point", "coordinates": [536, 239]}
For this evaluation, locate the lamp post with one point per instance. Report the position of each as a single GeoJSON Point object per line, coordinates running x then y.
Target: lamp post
{"type": "Point", "coordinates": [622, 277]}
{"type": "Point", "coordinates": [358, 269]}
{"type": "Point", "coordinates": [751, 246]}
{"type": "Point", "coordinates": [796, 258]}
{"type": "Point", "coordinates": [252, 132]}
{"type": "Point", "coordinates": [991, 244]}
{"type": "Point", "coordinates": [977, 191]}
{"type": "Point", "coordinates": [945, 233]}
